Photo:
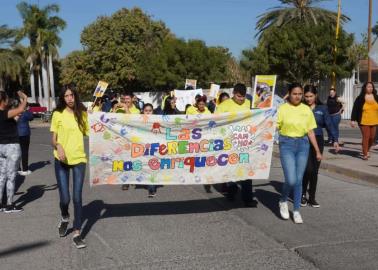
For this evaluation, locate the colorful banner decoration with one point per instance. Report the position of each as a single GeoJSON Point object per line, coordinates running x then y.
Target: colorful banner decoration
{"type": "Point", "coordinates": [180, 149]}
{"type": "Point", "coordinates": [184, 97]}
{"type": "Point", "coordinates": [100, 89]}
{"type": "Point", "coordinates": [263, 91]}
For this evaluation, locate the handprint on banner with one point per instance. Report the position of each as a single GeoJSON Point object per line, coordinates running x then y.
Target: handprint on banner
{"type": "Point", "coordinates": [156, 128]}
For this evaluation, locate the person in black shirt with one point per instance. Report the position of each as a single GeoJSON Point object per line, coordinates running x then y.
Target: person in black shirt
{"type": "Point", "coordinates": [10, 151]}
{"type": "Point", "coordinates": [335, 109]}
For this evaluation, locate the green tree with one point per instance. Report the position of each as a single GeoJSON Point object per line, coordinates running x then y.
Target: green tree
{"type": "Point", "coordinates": [133, 52]}
{"type": "Point", "coordinates": [116, 44]}
{"type": "Point", "coordinates": [375, 30]}
{"type": "Point", "coordinates": [11, 61]}
{"type": "Point", "coordinates": [300, 53]}
{"type": "Point", "coordinates": [42, 29]}
{"type": "Point", "coordinates": [294, 11]}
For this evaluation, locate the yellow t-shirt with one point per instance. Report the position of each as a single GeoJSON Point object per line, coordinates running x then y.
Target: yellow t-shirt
{"type": "Point", "coordinates": [133, 110]}
{"type": "Point", "coordinates": [69, 136]}
{"type": "Point", "coordinates": [229, 105]}
{"type": "Point", "coordinates": [96, 109]}
{"type": "Point", "coordinates": [295, 121]}
{"type": "Point", "coordinates": [194, 110]}
{"type": "Point", "coordinates": [370, 113]}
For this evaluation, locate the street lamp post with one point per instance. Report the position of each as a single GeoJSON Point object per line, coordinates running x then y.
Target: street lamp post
{"type": "Point", "coordinates": [369, 39]}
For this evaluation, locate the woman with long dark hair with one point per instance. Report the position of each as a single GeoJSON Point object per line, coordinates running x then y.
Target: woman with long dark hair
{"type": "Point", "coordinates": [10, 151]}
{"type": "Point", "coordinates": [296, 124]}
{"type": "Point", "coordinates": [365, 113]}
{"type": "Point", "coordinates": [69, 125]}
{"type": "Point", "coordinates": [323, 120]}
{"type": "Point", "coordinates": [170, 106]}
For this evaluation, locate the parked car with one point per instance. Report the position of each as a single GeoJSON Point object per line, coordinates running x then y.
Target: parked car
{"type": "Point", "coordinates": [36, 109]}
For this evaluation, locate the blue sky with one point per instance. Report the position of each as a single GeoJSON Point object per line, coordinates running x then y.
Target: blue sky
{"type": "Point", "coordinates": [228, 23]}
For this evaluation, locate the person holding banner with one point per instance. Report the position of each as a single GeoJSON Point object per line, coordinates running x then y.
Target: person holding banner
{"type": "Point", "coordinates": [200, 108]}
{"type": "Point", "coordinates": [69, 125]}
{"type": "Point", "coordinates": [149, 109]}
{"type": "Point", "coordinates": [238, 103]}
{"type": "Point", "coordinates": [126, 104]}
{"type": "Point", "coordinates": [296, 124]}
{"type": "Point", "coordinates": [323, 120]}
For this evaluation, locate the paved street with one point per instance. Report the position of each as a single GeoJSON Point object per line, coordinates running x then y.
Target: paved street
{"type": "Point", "coordinates": [185, 228]}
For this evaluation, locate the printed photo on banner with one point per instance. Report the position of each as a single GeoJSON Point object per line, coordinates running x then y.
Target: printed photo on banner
{"type": "Point", "coordinates": [214, 90]}
{"type": "Point", "coordinates": [180, 149]}
{"type": "Point", "coordinates": [100, 89]}
{"type": "Point", "coordinates": [190, 84]}
{"type": "Point", "coordinates": [263, 91]}
{"type": "Point", "coordinates": [184, 97]}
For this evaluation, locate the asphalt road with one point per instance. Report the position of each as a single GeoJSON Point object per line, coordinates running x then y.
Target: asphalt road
{"type": "Point", "coordinates": [185, 228]}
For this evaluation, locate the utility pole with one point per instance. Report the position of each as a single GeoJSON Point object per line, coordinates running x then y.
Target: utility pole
{"type": "Point", "coordinates": [337, 38]}
{"type": "Point", "coordinates": [369, 39]}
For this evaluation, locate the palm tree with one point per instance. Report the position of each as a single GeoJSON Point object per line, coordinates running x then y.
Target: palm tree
{"type": "Point", "coordinates": [10, 60]}
{"type": "Point", "coordinates": [302, 11]}
{"type": "Point", "coordinates": [42, 30]}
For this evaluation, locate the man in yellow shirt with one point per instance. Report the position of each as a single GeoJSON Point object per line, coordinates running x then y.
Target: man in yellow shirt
{"type": "Point", "coordinates": [238, 103]}
{"type": "Point", "coordinates": [126, 104]}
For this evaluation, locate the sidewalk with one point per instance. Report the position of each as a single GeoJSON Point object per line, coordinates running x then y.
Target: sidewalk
{"type": "Point", "coordinates": [348, 161]}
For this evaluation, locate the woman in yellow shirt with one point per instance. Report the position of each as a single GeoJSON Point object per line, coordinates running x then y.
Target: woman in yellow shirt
{"type": "Point", "coordinates": [295, 123]}
{"type": "Point", "coordinates": [199, 107]}
{"type": "Point", "coordinates": [69, 125]}
{"type": "Point", "coordinates": [365, 113]}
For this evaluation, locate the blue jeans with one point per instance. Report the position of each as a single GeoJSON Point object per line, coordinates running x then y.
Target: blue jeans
{"type": "Point", "coordinates": [293, 154]}
{"type": "Point", "coordinates": [335, 119]}
{"type": "Point", "coordinates": [62, 173]}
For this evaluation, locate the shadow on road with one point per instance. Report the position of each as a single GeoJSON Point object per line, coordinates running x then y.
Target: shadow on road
{"type": "Point", "coordinates": [22, 248]}
{"type": "Point", "coordinates": [346, 152]}
{"type": "Point", "coordinates": [97, 209]}
{"type": "Point", "coordinates": [34, 193]}
{"type": "Point", "coordinates": [38, 165]}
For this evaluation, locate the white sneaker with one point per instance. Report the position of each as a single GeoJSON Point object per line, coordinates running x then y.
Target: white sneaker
{"type": "Point", "coordinates": [297, 217]}
{"type": "Point", "coordinates": [24, 173]}
{"type": "Point", "coordinates": [284, 210]}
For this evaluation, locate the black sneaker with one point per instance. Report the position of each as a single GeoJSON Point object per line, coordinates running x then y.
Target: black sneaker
{"type": "Point", "coordinates": [63, 227]}
{"type": "Point", "coordinates": [313, 203]}
{"type": "Point", "coordinates": [78, 241]}
{"type": "Point", "coordinates": [125, 187]}
{"type": "Point", "coordinates": [2, 208]}
{"type": "Point", "coordinates": [253, 203]}
{"type": "Point", "coordinates": [151, 194]}
{"type": "Point", "coordinates": [303, 201]}
{"type": "Point", "coordinates": [13, 209]}
{"type": "Point", "coordinates": [207, 188]}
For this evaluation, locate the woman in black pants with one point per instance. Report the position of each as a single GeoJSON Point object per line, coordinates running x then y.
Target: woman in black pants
{"type": "Point", "coordinates": [323, 120]}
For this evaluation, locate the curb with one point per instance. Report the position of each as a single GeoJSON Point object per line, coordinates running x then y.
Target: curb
{"type": "Point", "coordinates": [349, 172]}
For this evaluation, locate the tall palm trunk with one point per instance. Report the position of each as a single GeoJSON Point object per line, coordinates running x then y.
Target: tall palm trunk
{"type": "Point", "coordinates": [45, 82]}
{"type": "Point", "coordinates": [32, 83]}
{"type": "Point", "coordinates": [51, 76]}
{"type": "Point", "coordinates": [40, 96]}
